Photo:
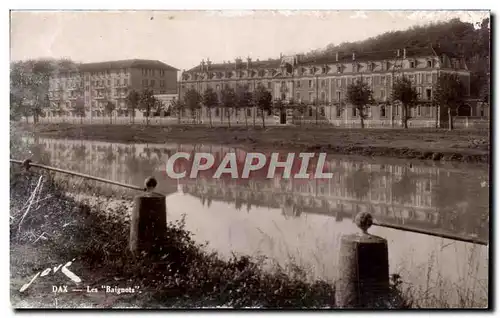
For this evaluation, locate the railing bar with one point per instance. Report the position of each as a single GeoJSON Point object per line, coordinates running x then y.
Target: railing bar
{"type": "Point", "coordinates": [427, 232]}
{"type": "Point", "coordinates": [377, 223]}
{"type": "Point", "coordinates": [82, 175]}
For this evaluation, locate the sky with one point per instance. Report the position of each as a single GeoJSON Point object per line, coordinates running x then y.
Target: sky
{"type": "Point", "coordinates": [183, 38]}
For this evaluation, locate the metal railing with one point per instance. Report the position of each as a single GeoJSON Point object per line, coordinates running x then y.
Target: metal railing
{"type": "Point", "coordinates": [27, 164]}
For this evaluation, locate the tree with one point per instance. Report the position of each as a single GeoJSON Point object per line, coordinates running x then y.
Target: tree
{"type": "Point", "coordinates": [244, 100]}
{"type": "Point", "coordinates": [109, 107]}
{"type": "Point", "coordinates": [360, 96]}
{"type": "Point", "coordinates": [279, 106]}
{"type": "Point", "coordinates": [263, 100]}
{"type": "Point", "coordinates": [210, 100]}
{"type": "Point", "coordinates": [147, 103]}
{"type": "Point", "coordinates": [228, 101]}
{"type": "Point", "coordinates": [449, 93]}
{"type": "Point", "coordinates": [407, 95]}
{"type": "Point", "coordinates": [29, 84]}
{"type": "Point", "coordinates": [192, 100]}
{"type": "Point", "coordinates": [80, 108]}
{"type": "Point", "coordinates": [177, 107]}
{"type": "Point", "coordinates": [301, 110]}
{"type": "Point", "coordinates": [133, 100]}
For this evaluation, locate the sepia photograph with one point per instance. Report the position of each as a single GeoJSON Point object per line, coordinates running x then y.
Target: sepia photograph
{"type": "Point", "coordinates": [251, 159]}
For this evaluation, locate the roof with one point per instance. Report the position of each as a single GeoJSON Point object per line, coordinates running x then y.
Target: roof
{"type": "Point", "coordinates": [331, 57]}
{"type": "Point", "coordinates": [367, 56]}
{"type": "Point", "coordinates": [221, 67]}
{"type": "Point", "coordinates": [134, 63]}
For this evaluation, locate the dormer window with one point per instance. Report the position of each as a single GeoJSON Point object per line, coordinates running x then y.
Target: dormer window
{"type": "Point", "coordinates": [339, 68]}
{"type": "Point", "coordinates": [412, 64]}
{"type": "Point", "coordinates": [429, 63]}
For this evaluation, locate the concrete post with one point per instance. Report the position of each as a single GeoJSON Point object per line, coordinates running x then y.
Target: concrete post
{"type": "Point", "coordinates": [363, 269]}
{"type": "Point", "coordinates": [148, 221]}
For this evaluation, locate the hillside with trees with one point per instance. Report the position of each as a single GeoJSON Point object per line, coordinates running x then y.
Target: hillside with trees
{"type": "Point", "coordinates": [454, 36]}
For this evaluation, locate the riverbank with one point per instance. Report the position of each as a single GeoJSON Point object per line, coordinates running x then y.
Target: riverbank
{"type": "Point", "coordinates": [424, 144]}
{"type": "Point", "coordinates": [58, 228]}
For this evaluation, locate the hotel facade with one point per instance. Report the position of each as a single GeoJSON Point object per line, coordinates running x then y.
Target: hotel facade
{"type": "Point", "coordinates": [322, 84]}
{"type": "Point", "coordinates": [95, 84]}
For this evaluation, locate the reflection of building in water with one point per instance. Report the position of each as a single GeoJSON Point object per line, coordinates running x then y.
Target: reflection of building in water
{"type": "Point", "coordinates": [425, 196]}
{"type": "Point", "coordinates": [126, 163]}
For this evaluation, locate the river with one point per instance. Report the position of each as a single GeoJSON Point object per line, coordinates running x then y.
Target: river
{"type": "Point", "coordinates": [287, 220]}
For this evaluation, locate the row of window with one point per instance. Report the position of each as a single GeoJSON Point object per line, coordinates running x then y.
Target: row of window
{"type": "Point", "coordinates": [152, 83]}
{"type": "Point", "coordinates": [152, 72]}
{"type": "Point", "coordinates": [106, 73]}
{"type": "Point", "coordinates": [344, 82]}
{"type": "Point", "coordinates": [101, 83]}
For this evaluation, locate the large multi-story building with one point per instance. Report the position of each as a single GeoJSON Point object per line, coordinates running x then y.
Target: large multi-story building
{"type": "Point", "coordinates": [322, 82]}
{"type": "Point", "coordinates": [95, 84]}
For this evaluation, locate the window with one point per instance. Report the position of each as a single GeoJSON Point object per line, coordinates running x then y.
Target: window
{"type": "Point", "coordinates": [382, 111]}
{"type": "Point", "coordinates": [87, 88]}
{"type": "Point", "coordinates": [428, 78]}
{"type": "Point", "coordinates": [310, 97]}
{"type": "Point", "coordinates": [418, 111]}
{"type": "Point", "coordinates": [322, 83]}
{"type": "Point", "coordinates": [117, 82]}
{"type": "Point", "coordinates": [310, 83]}
{"type": "Point", "coordinates": [429, 63]}
{"type": "Point", "coordinates": [428, 94]}
{"type": "Point", "coordinates": [217, 112]}
{"type": "Point", "coordinates": [382, 94]}
{"type": "Point", "coordinates": [162, 73]}
{"type": "Point", "coordinates": [152, 83]}
{"type": "Point", "coordinates": [339, 83]}
{"type": "Point", "coordinates": [268, 85]}
{"type": "Point", "coordinates": [249, 112]}
{"type": "Point", "coordinates": [310, 112]}
{"type": "Point", "coordinates": [217, 87]}
{"type": "Point", "coordinates": [298, 95]}
{"type": "Point", "coordinates": [323, 96]}
{"type": "Point", "coordinates": [338, 96]}
{"type": "Point", "coordinates": [382, 80]}
{"type": "Point", "coordinates": [298, 84]}
{"type": "Point", "coordinates": [125, 81]}
{"type": "Point", "coordinates": [162, 83]}
{"type": "Point", "coordinates": [354, 112]}
{"type": "Point", "coordinates": [412, 64]}
{"type": "Point", "coordinates": [339, 111]}
{"type": "Point", "coordinates": [397, 110]}
{"type": "Point", "coordinates": [322, 111]}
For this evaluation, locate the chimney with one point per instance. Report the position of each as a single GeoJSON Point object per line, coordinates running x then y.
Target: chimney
{"type": "Point", "coordinates": [404, 53]}
{"type": "Point", "coordinates": [353, 56]}
{"type": "Point", "coordinates": [209, 63]}
{"type": "Point", "coordinates": [281, 56]}
{"type": "Point", "coordinates": [336, 56]}
{"type": "Point", "coordinates": [397, 54]}
{"type": "Point", "coordinates": [202, 65]}
{"type": "Point", "coordinates": [249, 61]}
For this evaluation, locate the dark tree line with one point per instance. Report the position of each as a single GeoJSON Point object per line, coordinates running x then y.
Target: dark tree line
{"type": "Point", "coordinates": [464, 39]}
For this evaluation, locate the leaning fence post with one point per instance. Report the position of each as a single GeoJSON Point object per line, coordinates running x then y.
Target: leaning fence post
{"type": "Point", "coordinates": [148, 221]}
{"type": "Point", "coordinates": [363, 268]}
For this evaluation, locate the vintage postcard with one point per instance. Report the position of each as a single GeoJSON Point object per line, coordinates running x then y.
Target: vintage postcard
{"type": "Point", "coordinates": [250, 159]}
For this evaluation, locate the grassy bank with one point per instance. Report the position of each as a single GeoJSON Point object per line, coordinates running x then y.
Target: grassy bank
{"type": "Point", "coordinates": [426, 144]}
{"type": "Point", "coordinates": [57, 228]}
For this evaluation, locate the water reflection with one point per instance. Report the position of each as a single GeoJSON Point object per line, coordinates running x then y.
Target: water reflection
{"type": "Point", "coordinates": [303, 219]}
{"type": "Point", "coordinates": [424, 196]}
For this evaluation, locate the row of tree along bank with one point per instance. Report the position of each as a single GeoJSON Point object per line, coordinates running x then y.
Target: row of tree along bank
{"type": "Point", "coordinates": [29, 97]}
